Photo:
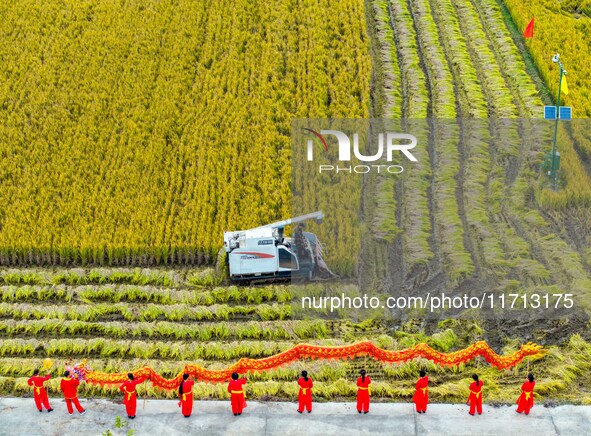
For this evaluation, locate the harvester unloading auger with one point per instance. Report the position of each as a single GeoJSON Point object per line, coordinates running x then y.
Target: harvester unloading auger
{"type": "Point", "coordinates": [265, 253]}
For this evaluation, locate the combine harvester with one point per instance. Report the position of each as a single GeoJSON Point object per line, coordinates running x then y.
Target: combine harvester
{"type": "Point", "coordinates": [265, 253]}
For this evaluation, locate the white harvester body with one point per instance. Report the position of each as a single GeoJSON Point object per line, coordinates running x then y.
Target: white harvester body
{"type": "Point", "coordinates": [265, 253]}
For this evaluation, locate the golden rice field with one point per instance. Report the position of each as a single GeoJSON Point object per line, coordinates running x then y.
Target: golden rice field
{"type": "Point", "coordinates": [137, 132]}
{"type": "Point", "coordinates": [564, 28]}
{"type": "Point", "coordinates": [134, 133]}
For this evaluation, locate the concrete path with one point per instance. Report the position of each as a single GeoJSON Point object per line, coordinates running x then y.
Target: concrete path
{"type": "Point", "coordinates": [18, 416]}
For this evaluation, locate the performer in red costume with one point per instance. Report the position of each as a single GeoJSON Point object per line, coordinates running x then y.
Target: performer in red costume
{"type": "Point", "coordinates": [421, 397]}
{"type": "Point", "coordinates": [186, 395]}
{"type": "Point", "coordinates": [526, 400]}
{"type": "Point", "coordinates": [363, 392]}
{"type": "Point", "coordinates": [130, 394]}
{"type": "Point", "coordinates": [305, 394]}
{"type": "Point", "coordinates": [39, 393]}
{"type": "Point", "coordinates": [236, 389]}
{"type": "Point", "coordinates": [69, 387]}
{"type": "Point", "coordinates": [475, 398]}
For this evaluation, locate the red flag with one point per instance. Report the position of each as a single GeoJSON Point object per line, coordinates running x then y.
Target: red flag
{"type": "Point", "coordinates": [529, 30]}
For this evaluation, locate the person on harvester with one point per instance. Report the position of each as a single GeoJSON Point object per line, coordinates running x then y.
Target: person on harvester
{"type": "Point", "coordinates": [130, 394]}
{"type": "Point", "coordinates": [363, 392]}
{"type": "Point", "coordinates": [39, 393]}
{"type": "Point", "coordinates": [475, 397]}
{"type": "Point", "coordinates": [421, 396]}
{"type": "Point", "coordinates": [305, 394]}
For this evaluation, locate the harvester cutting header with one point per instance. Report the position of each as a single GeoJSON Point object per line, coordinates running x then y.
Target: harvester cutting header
{"type": "Point", "coordinates": [265, 253]}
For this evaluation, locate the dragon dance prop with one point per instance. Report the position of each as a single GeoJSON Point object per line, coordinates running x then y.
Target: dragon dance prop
{"type": "Point", "coordinates": [77, 370]}
{"type": "Point", "coordinates": [306, 351]}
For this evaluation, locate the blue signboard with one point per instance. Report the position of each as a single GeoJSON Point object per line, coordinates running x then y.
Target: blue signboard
{"type": "Point", "coordinates": [564, 113]}
{"type": "Point", "coordinates": [549, 112]}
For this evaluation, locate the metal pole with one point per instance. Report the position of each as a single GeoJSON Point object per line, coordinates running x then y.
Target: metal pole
{"type": "Point", "coordinates": [553, 168]}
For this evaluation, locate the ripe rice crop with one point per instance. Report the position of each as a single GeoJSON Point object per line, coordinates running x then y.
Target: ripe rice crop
{"type": "Point", "coordinates": [144, 152]}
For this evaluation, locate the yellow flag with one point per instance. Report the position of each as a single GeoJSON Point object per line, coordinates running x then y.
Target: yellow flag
{"type": "Point", "coordinates": [564, 86]}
